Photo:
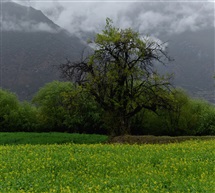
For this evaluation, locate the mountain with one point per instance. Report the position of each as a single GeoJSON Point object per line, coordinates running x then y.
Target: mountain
{"type": "Point", "coordinates": [32, 48]}
{"type": "Point", "coordinates": [194, 62]}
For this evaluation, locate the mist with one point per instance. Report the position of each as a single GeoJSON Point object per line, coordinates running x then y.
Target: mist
{"type": "Point", "coordinates": [154, 18]}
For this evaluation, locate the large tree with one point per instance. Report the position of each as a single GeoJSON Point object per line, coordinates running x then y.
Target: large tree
{"type": "Point", "coordinates": [120, 73]}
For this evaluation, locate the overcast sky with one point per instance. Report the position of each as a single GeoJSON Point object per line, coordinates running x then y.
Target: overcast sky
{"type": "Point", "coordinates": [146, 17]}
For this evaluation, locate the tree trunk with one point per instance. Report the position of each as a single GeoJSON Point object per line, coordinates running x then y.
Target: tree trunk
{"type": "Point", "coordinates": [124, 126]}
{"type": "Point", "coordinates": [117, 124]}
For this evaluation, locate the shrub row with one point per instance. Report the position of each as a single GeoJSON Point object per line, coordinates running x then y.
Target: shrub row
{"type": "Point", "coordinates": [64, 107]}
{"type": "Point", "coordinates": [189, 117]}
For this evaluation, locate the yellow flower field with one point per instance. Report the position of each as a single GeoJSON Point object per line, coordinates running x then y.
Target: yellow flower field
{"type": "Point", "coordinates": [184, 167]}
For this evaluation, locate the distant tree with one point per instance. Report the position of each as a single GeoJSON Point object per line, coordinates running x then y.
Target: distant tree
{"type": "Point", "coordinates": [52, 106]}
{"type": "Point", "coordinates": [9, 104]}
{"type": "Point", "coordinates": [121, 75]}
{"type": "Point", "coordinates": [26, 118]}
{"type": "Point", "coordinates": [63, 106]}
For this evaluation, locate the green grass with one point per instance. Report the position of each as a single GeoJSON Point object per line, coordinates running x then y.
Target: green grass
{"type": "Point", "coordinates": [14, 138]}
{"type": "Point", "coordinates": [177, 167]}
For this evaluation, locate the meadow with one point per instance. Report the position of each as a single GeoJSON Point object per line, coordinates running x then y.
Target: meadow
{"type": "Point", "coordinates": [176, 167]}
{"type": "Point", "coordinates": [15, 138]}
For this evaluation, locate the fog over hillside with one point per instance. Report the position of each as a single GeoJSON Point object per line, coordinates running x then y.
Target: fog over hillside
{"type": "Point", "coordinates": [32, 48]}
{"type": "Point", "coordinates": [187, 26]}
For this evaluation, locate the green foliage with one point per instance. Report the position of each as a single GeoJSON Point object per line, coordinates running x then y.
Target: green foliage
{"type": "Point", "coordinates": [63, 106]}
{"type": "Point", "coordinates": [26, 118]}
{"type": "Point", "coordinates": [16, 116]}
{"type": "Point", "coordinates": [187, 117]}
{"type": "Point", "coordinates": [49, 101]}
{"type": "Point", "coordinates": [9, 104]}
{"type": "Point", "coordinates": [199, 118]}
{"type": "Point", "coordinates": [184, 167]}
{"type": "Point", "coordinates": [191, 116]}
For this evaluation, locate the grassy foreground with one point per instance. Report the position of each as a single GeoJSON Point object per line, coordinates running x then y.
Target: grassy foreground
{"type": "Point", "coordinates": [15, 138]}
{"type": "Point", "coordinates": [179, 167]}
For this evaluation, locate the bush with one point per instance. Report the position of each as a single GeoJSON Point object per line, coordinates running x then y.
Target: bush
{"type": "Point", "coordinates": [16, 116]}
{"type": "Point", "coordinates": [203, 114]}
{"type": "Point", "coordinates": [26, 118]}
{"type": "Point", "coordinates": [9, 104]}
{"type": "Point", "coordinates": [187, 117]}
{"type": "Point", "coordinates": [197, 117]}
{"type": "Point", "coordinates": [63, 106]}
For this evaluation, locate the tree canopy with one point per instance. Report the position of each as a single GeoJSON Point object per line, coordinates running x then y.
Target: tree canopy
{"type": "Point", "coordinates": [121, 75]}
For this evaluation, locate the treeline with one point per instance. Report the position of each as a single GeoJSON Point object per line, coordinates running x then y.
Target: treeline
{"type": "Point", "coordinates": [64, 107]}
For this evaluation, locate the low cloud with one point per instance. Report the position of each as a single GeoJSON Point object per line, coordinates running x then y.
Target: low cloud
{"type": "Point", "coordinates": [26, 26]}
{"type": "Point", "coordinates": [154, 42]}
{"type": "Point", "coordinates": [22, 19]}
{"type": "Point", "coordinates": [154, 18]}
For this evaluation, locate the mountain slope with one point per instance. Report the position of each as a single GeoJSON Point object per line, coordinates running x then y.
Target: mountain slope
{"type": "Point", "coordinates": [194, 61]}
{"type": "Point", "coordinates": [30, 56]}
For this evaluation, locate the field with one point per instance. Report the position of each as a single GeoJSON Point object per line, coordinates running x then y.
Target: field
{"type": "Point", "coordinates": [15, 138]}
{"type": "Point", "coordinates": [177, 167]}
